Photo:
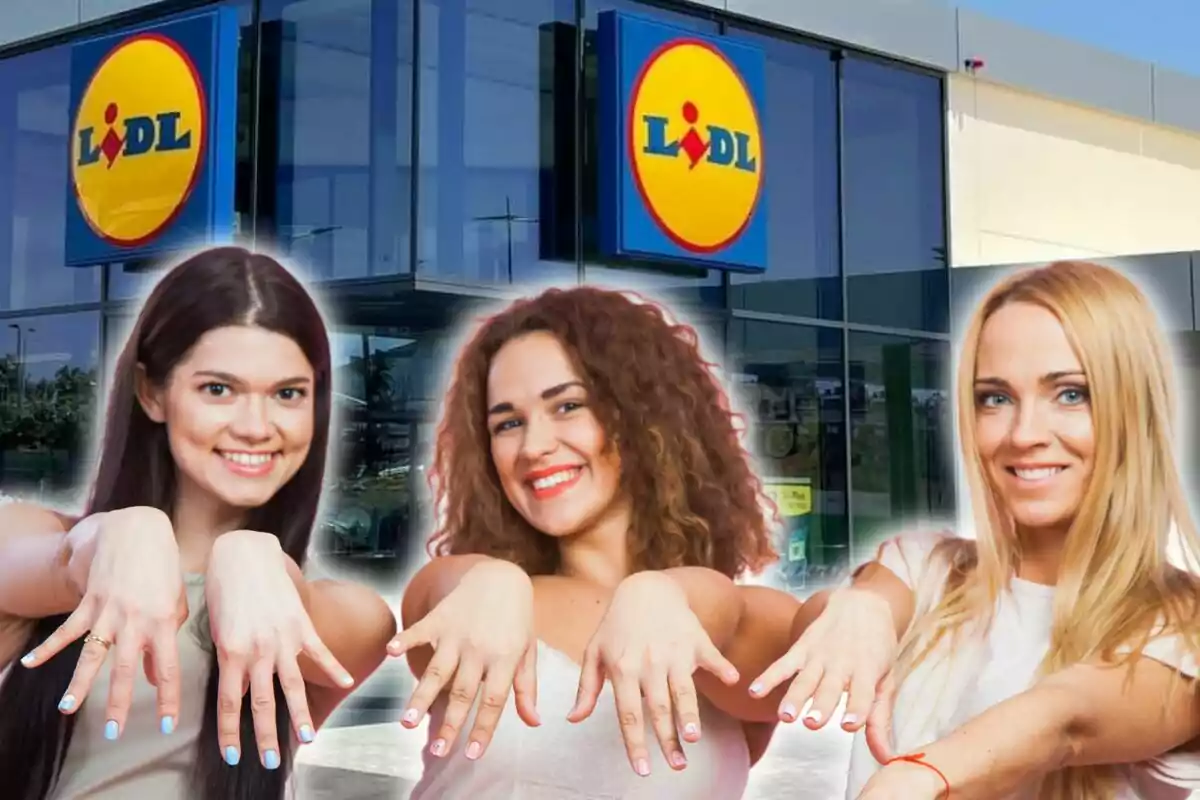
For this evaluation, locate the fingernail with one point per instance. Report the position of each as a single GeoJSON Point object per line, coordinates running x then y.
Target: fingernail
{"type": "Point", "coordinates": [410, 717]}
{"type": "Point", "coordinates": [814, 715]}
{"type": "Point", "coordinates": [167, 725]}
{"type": "Point", "coordinates": [111, 731]}
{"type": "Point", "coordinates": [691, 729]}
{"type": "Point", "coordinates": [756, 687]}
{"type": "Point", "coordinates": [732, 675]}
{"type": "Point", "coordinates": [67, 703]}
{"type": "Point", "coordinates": [787, 711]}
{"type": "Point", "coordinates": [306, 734]}
{"type": "Point", "coordinates": [271, 759]}
{"type": "Point", "coordinates": [438, 747]}
{"type": "Point", "coordinates": [28, 659]}
{"type": "Point", "coordinates": [678, 759]}
{"type": "Point", "coordinates": [849, 719]}
{"type": "Point", "coordinates": [642, 767]}
{"type": "Point", "coordinates": [346, 680]}
{"type": "Point", "coordinates": [473, 750]}
{"type": "Point", "coordinates": [232, 756]}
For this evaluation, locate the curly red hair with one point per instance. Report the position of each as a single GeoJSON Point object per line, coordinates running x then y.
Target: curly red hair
{"type": "Point", "coordinates": [696, 499]}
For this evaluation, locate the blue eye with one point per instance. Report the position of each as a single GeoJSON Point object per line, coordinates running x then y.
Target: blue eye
{"type": "Point", "coordinates": [990, 399]}
{"type": "Point", "coordinates": [1073, 396]}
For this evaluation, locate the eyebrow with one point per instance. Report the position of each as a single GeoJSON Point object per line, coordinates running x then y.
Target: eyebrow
{"type": "Point", "coordinates": [1049, 377]}
{"type": "Point", "coordinates": [226, 377]}
{"type": "Point", "coordinates": [553, 391]}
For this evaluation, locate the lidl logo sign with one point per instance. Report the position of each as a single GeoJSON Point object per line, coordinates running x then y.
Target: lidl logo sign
{"type": "Point", "coordinates": [152, 139]}
{"type": "Point", "coordinates": [682, 153]}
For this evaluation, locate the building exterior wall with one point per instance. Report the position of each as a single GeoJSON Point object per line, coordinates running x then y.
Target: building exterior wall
{"type": "Point", "coordinates": [1033, 178]}
{"type": "Point", "coordinates": [408, 193]}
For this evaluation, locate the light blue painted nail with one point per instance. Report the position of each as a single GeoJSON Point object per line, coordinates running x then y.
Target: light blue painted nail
{"type": "Point", "coordinates": [306, 734]}
{"type": "Point", "coordinates": [271, 759]}
{"type": "Point", "coordinates": [167, 725]}
{"type": "Point", "coordinates": [67, 703]}
{"type": "Point", "coordinates": [111, 731]}
{"type": "Point", "coordinates": [232, 756]}
{"type": "Point", "coordinates": [27, 659]}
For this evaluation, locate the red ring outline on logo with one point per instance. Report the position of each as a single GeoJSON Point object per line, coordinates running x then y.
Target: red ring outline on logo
{"type": "Point", "coordinates": [201, 132]}
{"type": "Point", "coordinates": [658, 53]}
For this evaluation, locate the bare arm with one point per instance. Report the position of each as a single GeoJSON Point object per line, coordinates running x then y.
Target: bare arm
{"type": "Point", "coordinates": [1084, 715]}
{"type": "Point", "coordinates": [877, 579]}
{"type": "Point", "coordinates": [355, 623]}
{"type": "Point", "coordinates": [427, 588]}
{"type": "Point", "coordinates": [765, 627]}
{"type": "Point", "coordinates": [34, 553]}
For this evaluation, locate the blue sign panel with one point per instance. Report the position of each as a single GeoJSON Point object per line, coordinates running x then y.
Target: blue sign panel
{"type": "Point", "coordinates": [153, 138]}
{"type": "Point", "coordinates": [682, 169]}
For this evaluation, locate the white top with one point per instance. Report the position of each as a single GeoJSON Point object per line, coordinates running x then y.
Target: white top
{"type": "Point", "coordinates": [560, 760]}
{"type": "Point", "coordinates": [941, 694]}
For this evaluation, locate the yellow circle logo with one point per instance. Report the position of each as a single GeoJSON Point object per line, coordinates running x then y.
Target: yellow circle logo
{"type": "Point", "coordinates": [138, 139]}
{"type": "Point", "coordinates": [695, 145]}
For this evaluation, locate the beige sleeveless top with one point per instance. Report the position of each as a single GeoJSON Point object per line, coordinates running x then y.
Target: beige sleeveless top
{"type": "Point", "coordinates": [143, 763]}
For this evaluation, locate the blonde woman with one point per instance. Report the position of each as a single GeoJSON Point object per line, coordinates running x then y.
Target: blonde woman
{"type": "Point", "coordinates": [1054, 655]}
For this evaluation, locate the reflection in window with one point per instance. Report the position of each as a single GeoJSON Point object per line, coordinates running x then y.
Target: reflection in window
{"type": "Point", "coordinates": [386, 401]}
{"type": "Point", "coordinates": [48, 387]}
{"type": "Point", "coordinates": [791, 381]}
{"type": "Point", "coordinates": [689, 285]}
{"type": "Point", "coordinates": [802, 276]}
{"type": "Point", "coordinates": [34, 132]}
{"type": "Point", "coordinates": [496, 127]}
{"type": "Point", "coordinates": [901, 421]}
{"type": "Point", "coordinates": [337, 120]}
{"type": "Point", "coordinates": [892, 189]}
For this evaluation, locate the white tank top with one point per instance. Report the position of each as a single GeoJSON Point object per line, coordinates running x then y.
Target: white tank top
{"type": "Point", "coordinates": [560, 760]}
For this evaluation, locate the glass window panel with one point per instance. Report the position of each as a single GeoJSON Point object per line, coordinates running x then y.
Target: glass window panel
{"type": "Point", "coordinates": [336, 133]}
{"type": "Point", "coordinates": [497, 90]}
{"type": "Point", "coordinates": [790, 378]}
{"type": "Point", "coordinates": [893, 197]}
{"type": "Point", "coordinates": [803, 251]}
{"type": "Point", "coordinates": [901, 425]}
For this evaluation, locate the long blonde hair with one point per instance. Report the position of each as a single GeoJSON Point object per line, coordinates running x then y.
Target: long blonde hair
{"type": "Point", "coordinates": [1116, 587]}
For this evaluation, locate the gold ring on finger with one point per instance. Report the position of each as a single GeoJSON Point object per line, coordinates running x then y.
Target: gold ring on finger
{"type": "Point", "coordinates": [91, 637]}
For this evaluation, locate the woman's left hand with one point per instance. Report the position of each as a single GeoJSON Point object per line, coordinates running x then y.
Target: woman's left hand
{"type": "Point", "coordinates": [901, 780]}
{"type": "Point", "coordinates": [260, 627]}
{"type": "Point", "coordinates": [649, 644]}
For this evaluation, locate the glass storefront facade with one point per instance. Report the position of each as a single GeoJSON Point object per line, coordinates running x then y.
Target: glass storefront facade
{"type": "Point", "coordinates": [421, 159]}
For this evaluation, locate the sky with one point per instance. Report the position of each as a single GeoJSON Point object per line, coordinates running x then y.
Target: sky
{"type": "Point", "coordinates": [1166, 32]}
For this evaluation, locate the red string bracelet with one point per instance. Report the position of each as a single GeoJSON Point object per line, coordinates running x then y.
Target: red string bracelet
{"type": "Point", "coordinates": [915, 758]}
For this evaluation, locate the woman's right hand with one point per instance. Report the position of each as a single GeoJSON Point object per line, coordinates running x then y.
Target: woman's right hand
{"type": "Point", "coordinates": [482, 631]}
{"type": "Point", "coordinates": [850, 648]}
{"type": "Point", "coordinates": [125, 565]}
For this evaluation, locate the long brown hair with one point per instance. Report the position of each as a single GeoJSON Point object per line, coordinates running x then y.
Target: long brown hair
{"type": "Point", "coordinates": [696, 499]}
{"type": "Point", "coordinates": [215, 288]}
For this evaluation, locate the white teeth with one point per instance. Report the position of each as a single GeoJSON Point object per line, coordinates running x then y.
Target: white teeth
{"type": "Point", "coordinates": [248, 459]}
{"type": "Point", "coordinates": [1037, 474]}
{"type": "Point", "coordinates": [555, 479]}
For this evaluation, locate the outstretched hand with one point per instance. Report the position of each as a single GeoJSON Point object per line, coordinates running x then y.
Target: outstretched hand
{"type": "Point", "coordinates": [649, 644]}
{"type": "Point", "coordinates": [849, 649]}
{"type": "Point", "coordinates": [481, 634]}
{"type": "Point", "coordinates": [125, 565]}
{"type": "Point", "coordinates": [260, 628]}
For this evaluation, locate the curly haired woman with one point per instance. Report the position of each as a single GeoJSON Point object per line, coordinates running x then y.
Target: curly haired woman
{"type": "Point", "coordinates": [597, 506]}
